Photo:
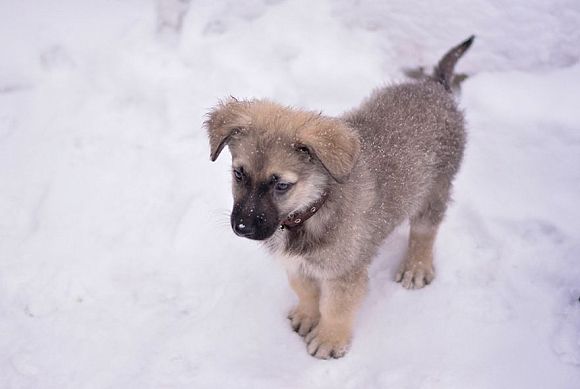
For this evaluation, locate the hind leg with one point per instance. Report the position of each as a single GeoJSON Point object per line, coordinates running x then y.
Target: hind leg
{"type": "Point", "coordinates": [417, 270]}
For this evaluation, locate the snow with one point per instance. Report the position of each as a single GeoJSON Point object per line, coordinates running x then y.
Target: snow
{"type": "Point", "coordinates": [118, 266]}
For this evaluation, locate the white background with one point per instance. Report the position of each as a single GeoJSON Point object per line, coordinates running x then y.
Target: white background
{"type": "Point", "coordinates": [118, 268]}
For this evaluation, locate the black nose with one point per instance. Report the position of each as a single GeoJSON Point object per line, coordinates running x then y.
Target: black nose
{"type": "Point", "coordinates": [260, 219]}
{"type": "Point", "coordinates": [244, 230]}
{"type": "Point", "coordinates": [250, 226]}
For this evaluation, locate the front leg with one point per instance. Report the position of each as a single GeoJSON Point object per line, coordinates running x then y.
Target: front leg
{"type": "Point", "coordinates": [339, 301]}
{"type": "Point", "coordinates": [306, 314]}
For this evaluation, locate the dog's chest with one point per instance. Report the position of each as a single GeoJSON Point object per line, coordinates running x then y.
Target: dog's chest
{"type": "Point", "coordinates": [281, 247]}
{"type": "Point", "coordinates": [293, 242]}
{"type": "Point", "coordinates": [292, 263]}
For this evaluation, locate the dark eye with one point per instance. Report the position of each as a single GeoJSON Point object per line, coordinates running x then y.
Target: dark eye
{"type": "Point", "coordinates": [282, 187]}
{"type": "Point", "coordinates": [302, 149]}
{"type": "Point", "coordinates": [238, 174]}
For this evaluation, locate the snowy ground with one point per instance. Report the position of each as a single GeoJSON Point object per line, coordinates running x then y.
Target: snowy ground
{"type": "Point", "coordinates": [118, 268]}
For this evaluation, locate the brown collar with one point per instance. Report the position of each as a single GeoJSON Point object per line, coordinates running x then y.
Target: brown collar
{"type": "Point", "coordinates": [296, 219]}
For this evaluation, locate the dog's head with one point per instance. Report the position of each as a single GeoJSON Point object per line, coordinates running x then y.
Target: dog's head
{"type": "Point", "coordinates": [283, 159]}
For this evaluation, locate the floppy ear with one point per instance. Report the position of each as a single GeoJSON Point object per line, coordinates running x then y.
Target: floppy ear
{"type": "Point", "coordinates": [334, 143]}
{"type": "Point", "coordinates": [224, 121]}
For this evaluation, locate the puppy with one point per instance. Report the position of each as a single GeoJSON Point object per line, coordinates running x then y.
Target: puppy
{"type": "Point", "coordinates": [322, 193]}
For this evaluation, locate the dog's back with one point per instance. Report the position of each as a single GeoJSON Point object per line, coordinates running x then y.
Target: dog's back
{"type": "Point", "coordinates": [413, 138]}
{"type": "Point", "coordinates": [414, 135]}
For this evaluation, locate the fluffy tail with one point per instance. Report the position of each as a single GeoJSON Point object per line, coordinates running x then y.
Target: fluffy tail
{"type": "Point", "coordinates": [443, 73]}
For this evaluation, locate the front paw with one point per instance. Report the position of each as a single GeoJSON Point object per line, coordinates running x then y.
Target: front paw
{"type": "Point", "coordinates": [303, 321]}
{"type": "Point", "coordinates": [415, 274]}
{"type": "Point", "coordinates": [326, 341]}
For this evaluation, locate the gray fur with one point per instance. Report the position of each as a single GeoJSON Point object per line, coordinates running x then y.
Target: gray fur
{"type": "Point", "coordinates": [412, 137]}
{"type": "Point", "coordinates": [443, 73]}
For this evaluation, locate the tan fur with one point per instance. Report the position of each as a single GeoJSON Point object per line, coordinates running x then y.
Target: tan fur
{"type": "Point", "coordinates": [306, 314]}
{"type": "Point", "coordinates": [339, 301]}
{"type": "Point", "coordinates": [417, 269]}
{"type": "Point", "coordinates": [334, 143]}
{"type": "Point", "coordinates": [391, 159]}
{"type": "Point", "coordinates": [325, 312]}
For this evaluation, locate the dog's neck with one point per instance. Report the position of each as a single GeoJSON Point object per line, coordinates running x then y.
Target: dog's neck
{"type": "Point", "coordinates": [295, 220]}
